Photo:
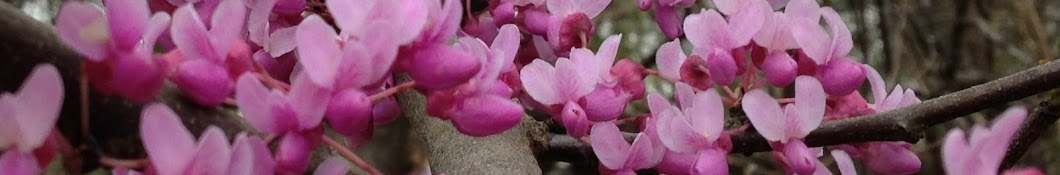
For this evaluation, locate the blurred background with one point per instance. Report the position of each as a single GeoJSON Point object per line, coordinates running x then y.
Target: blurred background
{"type": "Point", "coordinates": [934, 47]}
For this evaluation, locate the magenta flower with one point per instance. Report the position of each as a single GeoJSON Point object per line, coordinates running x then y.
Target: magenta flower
{"type": "Point", "coordinates": [117, 45]}
{"type": "Point", "coordinates": [271, 28]}
{"type": "Point", "coordinates": [617, 85]}
{"type": "Point", "coordinates": [694, 127]}
{"type": "Point", "coordinates": [210, 53]}
{"type": "Point", "coordinates": [431, 61]}
{"type": "Point", "coordinates": [666, 14]}
{"type": "Point", "coordinates": [981, 151]}
{"type": "Point", "coordinates": [695, 124]}
{"type": "Point", "coordinates": [173, 150]}
{"type": "Point", "coordinates": [619, 156]}
{"type": "Point", "coordinates": [29, 116]}
{"type": "Point", "coordinates": [560, 88]}
{"type": "Point", "coordinates": [483, 105]}
{"type": "Point", "coordinates": [570, 23]}
{"type": "Point", "coordinates": [716, 40]}
{"type": "Point", "coordinates": [786, 128]}
{"type": "Point", "coordinates": [297, 116]}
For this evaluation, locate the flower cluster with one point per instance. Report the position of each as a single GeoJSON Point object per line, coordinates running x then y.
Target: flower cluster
{"type": "Point", "coordinates": [294, 76]}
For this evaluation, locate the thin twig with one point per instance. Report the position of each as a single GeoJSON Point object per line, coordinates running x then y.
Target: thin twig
{"type": "Point", "coordinates": [1037, 123]}
{"type": "Point", "coordinates": [349, 155]}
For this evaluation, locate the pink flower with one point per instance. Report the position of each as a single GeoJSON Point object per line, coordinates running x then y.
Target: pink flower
{"type": "Point", "coordinates": [173, 150]}
{"type": "Point", "coordinates": [570, 24]}
{"type": "Point", "coordinates": [559, 89]}
{"type": "Point", "coordinates": [786, 128]}
{"type": "Point", "coordinates": [616, 85]}
{"type": "Point", "coordinates": [666, 14]}
{"type": "Point", "coordinates": [275, 112]}
{"type": "Point", "coordinates": [482, 106]}
{"type": "Point", "coordinates": [715, 40]}
{"type": "Point", "coordinates": [619, 156]}
{"type": "Point", "coordinates": [829, 52]}
{"type": "Point", "coordinates": [117, 45]}
{"type": "Point", "coordinates": [430, 60]}
{"type": "Point", "coordinates": [981, 151]}
{"type": "Point", "coordinates": [29, 116]}
{"type": "Point", "coordinates": [695, 124]}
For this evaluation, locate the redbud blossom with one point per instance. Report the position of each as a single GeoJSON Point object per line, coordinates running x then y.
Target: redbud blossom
{"type": "Point", "coordinates": [981, 150]}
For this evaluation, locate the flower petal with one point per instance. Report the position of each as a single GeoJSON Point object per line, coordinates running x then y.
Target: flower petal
{"type": "Point", "coordinates": [581, 81]}
{"type": "Point", "coordinates": [169, 145]}
{"type": "Point", "coordinates": [879, 90]}
{"type": "Point", "coordinates": [318, 50]}
{"type": "Point", "coordinates": [811, 39]}
{"type": "Point", "coordinates": [309, 101]}
{"type": "Point", "coordinates": [157, 25]}
{"type": "Point", "coordinates": [746, 22]}
{"type": "Point", "coordinates": [254, 101]}
{"type": "Point", "coordinates": [127, 20]}
{"type": "Point", "coordinates": [227, 25]}
{"type": "Point", "coordinates": [708, 29]}
{"type": "Point", "coordinates": [539, 81]}
{"type": "Point", "coordinates": [281, 42]}
{"type": "Point", "coordinates": [334, 165]}
{"type": "Point", "coordinates": [190, 35]}
{"type": "Point", "coordinates": [842, 42]}
{"type": "Point", "coordinates": [213, 153]}
{"type": "Point", "coordinates": [669, 59]}
{"type": "Point", "coordinates": [605, 55]}
{"type": "Point", "coordinates": [955, 151]}
{"type": "Point", "coordinates": [684, 94]}
{"type": "Point", "coordinates": [765, 114]}
{"type": "Point", "coordinates": [846, 165]}
{"type": "Point", "coordinates": [39, 101]}
{"type": "Point", "coordinates": [810, 102]}
{"type": "Point", "coordinates": [609, 145]}
{"type": "Point", "coordinates": [707, 114]}
{"type": "Point", "coordinates": [83, 27]}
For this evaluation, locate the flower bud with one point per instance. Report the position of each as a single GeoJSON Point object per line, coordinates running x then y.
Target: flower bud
{"type": "Point", "coordinates": [780, 69]}
{"type": "Point", "coordinates": [203, 81]}
{"type": "Point", "coordinates": [604, 104]}
{"type": "Point", "coordinates": [350, 113]}
{"type": "Point", "coordinates": [574, 120]}
{"type": "Point", "coordinates": [840, 76]}
{"type": "Point", "coordinates": [485, 115]}
{"type": "Point", "coordinates": [441, 67]}
{"type": "Point", "coordinates": [799, 158]}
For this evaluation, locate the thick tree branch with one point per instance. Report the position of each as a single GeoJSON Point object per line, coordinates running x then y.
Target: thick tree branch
{"type": "Point", "coordinates": [449, 151]}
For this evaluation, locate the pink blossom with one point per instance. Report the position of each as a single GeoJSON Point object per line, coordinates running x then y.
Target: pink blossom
{"type": "Point", "coordinates": [833, 66]}
{"type": "Point", "coordinates": [786, 128]}
{"type": "Point", "coordinates": [617, 155]}
{"type": "Point", "coordinates": [559, 88]}
{"type": "Point", "coordinates": [30, 115]}
{"type": "Point", "coordinates": [214, 56]}
{"type": "Point", "coordinates": [981, 151]}
{"type": "Point", "coordinates": [117, 45]}
{"type": "Point", "coordinates": [173, 150]}
{"type": "Point", "coordinates": [482, 106]}
{"type": "Point", "coordinates": [716, 40]}
{"type": "Point", "coordinates": [666, 14]}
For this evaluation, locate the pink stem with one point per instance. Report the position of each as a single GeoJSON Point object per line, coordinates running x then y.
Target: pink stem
{"type": "Point", "coordinates": [349, 155]}
{"type": "Point", "coordinates": [660, 75]}
{"type": "Point", "coordinates": [123, 163]}
{"type": "Point", "coordinates": [392, 91]}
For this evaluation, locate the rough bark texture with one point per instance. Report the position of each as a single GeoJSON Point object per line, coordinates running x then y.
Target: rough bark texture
{"type": "Point", "coordinates": [114, 122]}
{"type": "Point", "coordinates": [449, 151]}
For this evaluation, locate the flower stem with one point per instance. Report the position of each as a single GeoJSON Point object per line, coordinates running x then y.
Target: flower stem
{"type": "Point", "coordinates": [349, 155]}
{"type": "Point", "coordinates": [392, 90]}
{"type": "Point", "coordinates": [661, 76]}
{"type": "Point", "coordinates": [123, 163]}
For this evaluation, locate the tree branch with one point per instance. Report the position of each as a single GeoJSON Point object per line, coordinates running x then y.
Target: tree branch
{"type": "Point", "coordinates": [449, 151]}
{"type": "Point", "coordinates": [904, 124]}
{"type": "Point", "coordinates": [1038, 122]}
